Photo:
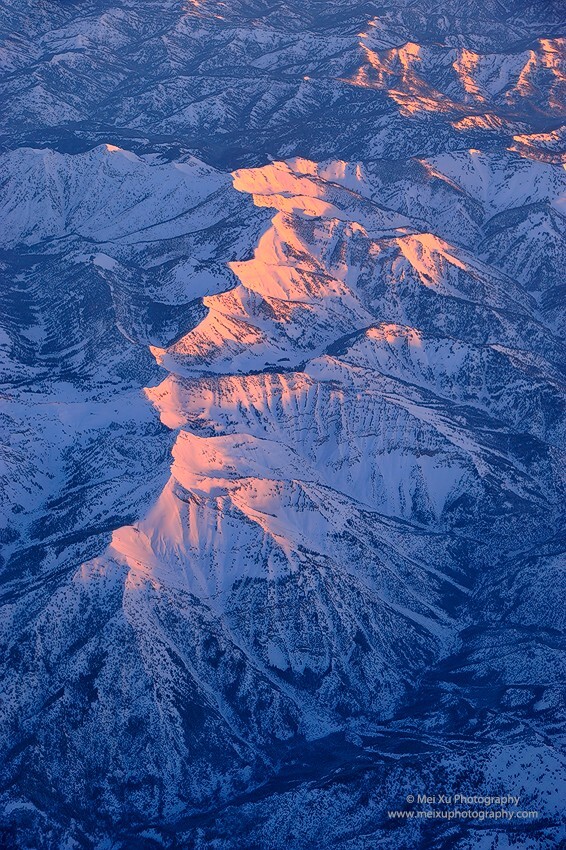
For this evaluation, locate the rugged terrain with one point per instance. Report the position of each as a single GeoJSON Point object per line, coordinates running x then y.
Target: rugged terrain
{"type": "Point", "coordinates": [282, 422]}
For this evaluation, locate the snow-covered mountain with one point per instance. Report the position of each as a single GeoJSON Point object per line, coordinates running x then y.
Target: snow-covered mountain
{"type": "Point", "coordinates": [282, 433]}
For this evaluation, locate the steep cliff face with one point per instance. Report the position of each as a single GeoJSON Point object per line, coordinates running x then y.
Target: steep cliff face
{"type": "Point", "coordinates": [282, 436]}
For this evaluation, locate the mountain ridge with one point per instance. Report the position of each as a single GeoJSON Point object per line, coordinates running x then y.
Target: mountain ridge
{"type": "Point", "coordinates": [282, 424]}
